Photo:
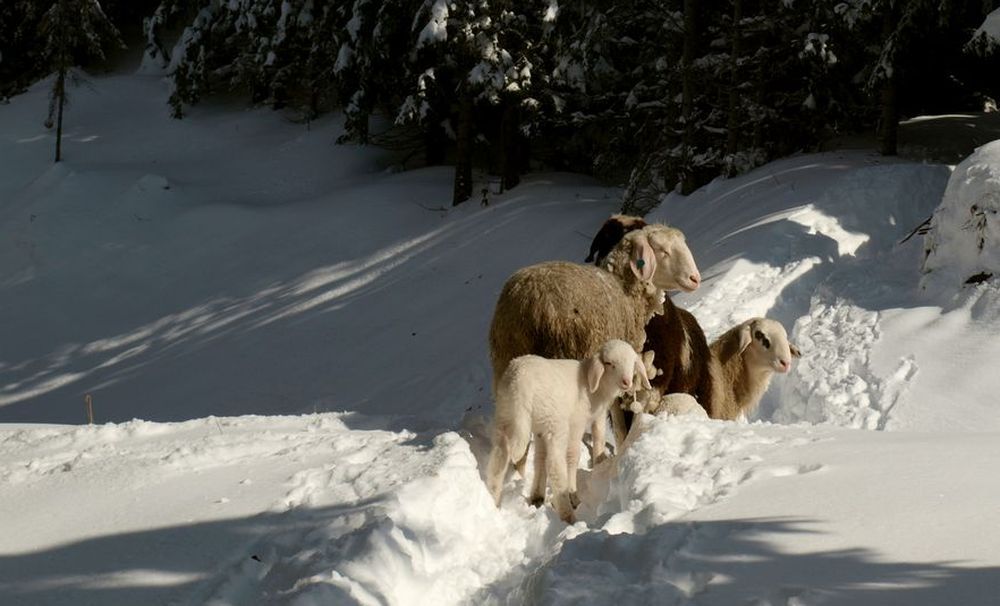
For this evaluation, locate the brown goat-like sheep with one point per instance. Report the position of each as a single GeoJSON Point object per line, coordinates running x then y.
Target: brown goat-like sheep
{"type": "Point", "coordinates": [681, 357]}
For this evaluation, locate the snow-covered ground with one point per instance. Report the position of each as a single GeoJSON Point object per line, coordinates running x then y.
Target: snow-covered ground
{"type": "Point", "coordinates": [302, 330]}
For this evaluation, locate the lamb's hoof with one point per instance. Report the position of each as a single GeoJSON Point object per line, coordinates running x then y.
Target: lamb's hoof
{"type": "Point", "coordinates": [574, 500]}
{"type": "Point", "coordinates": [536, 501]}
{"type": "Point", "coordinates": [600, 459]}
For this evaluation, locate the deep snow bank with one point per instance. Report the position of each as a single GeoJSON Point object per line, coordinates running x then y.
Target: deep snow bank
{"type": "Point", "coordinates": [986, 38]}
{"type": "Point", "coordinates": [963, 244]}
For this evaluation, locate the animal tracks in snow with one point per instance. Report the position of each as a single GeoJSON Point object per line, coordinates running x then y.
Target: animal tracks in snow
{"type": "Point", "coordinates": [834, 382]}
{"type": "Point", "coordinates": [894, 387]}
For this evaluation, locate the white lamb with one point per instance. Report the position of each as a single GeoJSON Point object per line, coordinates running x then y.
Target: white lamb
{"type": "Point", "coordinates": [555, 400]}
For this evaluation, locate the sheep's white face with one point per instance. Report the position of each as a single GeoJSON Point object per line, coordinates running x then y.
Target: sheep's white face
{"type": "Point", "coordinates": [675, 268]}
{"type": "Point", "coordinates": [769, 347]}
{"type": "Point", "coordinates": [619, 364]}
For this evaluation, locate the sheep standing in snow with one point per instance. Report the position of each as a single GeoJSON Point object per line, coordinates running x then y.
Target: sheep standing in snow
{"type": "Point", "coordinates": [555, 400]}
{"type": "Point", "coordinates": [743, 361]}
{"type": "Point", "coordinates": [611, 233]}
{"type": "Point", "coordinates": [567, 310]}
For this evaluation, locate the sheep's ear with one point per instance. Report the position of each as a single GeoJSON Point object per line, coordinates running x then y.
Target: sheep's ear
{"type": "Point", "coordinates": [595, 370]}
{"type": "Point", "coordinates": [796, 352]}
{"type": "Point", "coordinates": [647, 361]}
{"type": "Point", "coordinates": [640, 369]}
{"type": "Point", "coordinates": [745, 336]}
{"type": "Point", "coordinates": [643, 262]}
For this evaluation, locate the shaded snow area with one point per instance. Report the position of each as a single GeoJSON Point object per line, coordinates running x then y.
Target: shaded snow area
{"type": "Point", "coordinates": [284, 341]}
{"type": "Point", "coordinates": [989, 32]}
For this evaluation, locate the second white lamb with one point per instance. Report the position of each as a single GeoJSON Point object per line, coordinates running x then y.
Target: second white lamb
{"type": "Point", "coordinates": [555, 401]}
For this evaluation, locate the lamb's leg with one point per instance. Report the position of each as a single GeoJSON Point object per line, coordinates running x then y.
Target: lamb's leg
{"type": "Point", "coordinates": [537, 498]}
{"type": "Point", "coordinates": [520, 464]}
{"type": "Point", "coordinates": [572, 464]}
{"type": "Point", "coordinates": [598, 439]}
{"type": "Point", "coordinates": [618, 425]}
{"type": "Point", "coordinates": [556, 454]}
{"type": "Point", "coordinates": [496, 470]}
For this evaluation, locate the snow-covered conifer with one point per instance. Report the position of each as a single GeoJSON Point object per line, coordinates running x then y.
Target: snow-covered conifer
{"type": "Point", "coordinates": [73, 30]}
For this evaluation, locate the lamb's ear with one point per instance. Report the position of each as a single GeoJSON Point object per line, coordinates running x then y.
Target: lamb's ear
{"type": "Point", "coordinates": [796, 352]}
{"type": "Point", "coordinates": [643, 261]}
{"type": "Point", "coordinates": [746, 335]}
{"type": "Point", "coordinates": [595, 370]}
{"type": "Point", "coordinates": [640, 369]}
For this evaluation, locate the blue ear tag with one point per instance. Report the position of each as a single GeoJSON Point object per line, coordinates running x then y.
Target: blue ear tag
{"type": "Point", "coordinates": [640, 263]}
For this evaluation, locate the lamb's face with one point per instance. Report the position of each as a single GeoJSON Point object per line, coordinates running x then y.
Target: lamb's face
{"type": "Point", "coordinates": [621, 364]}
{"type": "Point", "coordinates": [675, 269]}
{"type": "Point", "coordinates": [769, 347]}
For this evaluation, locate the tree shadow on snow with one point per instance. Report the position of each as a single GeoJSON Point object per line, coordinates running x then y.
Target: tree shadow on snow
{"type": "Point", "coordinates": [272, 558]}
{"type": "Point", "coordinates": [761, 562]}
{"type": "Point", "coordinates": [262, 557]}
{"type": "Point", "coordinates": [397, 330]}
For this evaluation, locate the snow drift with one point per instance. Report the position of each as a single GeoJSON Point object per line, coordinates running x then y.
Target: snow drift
{"type": "Point", "coordinates": [963, 244]}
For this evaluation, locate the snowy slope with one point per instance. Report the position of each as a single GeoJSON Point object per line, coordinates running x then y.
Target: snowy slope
{"type": "Point", "coordinates": [236, 264]}
{"type": "Point", "coordinates": [172, 285]}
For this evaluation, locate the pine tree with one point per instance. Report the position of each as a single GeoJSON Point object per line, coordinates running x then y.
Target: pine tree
{"type": "Point", "coordinates": [20, 54]}
{"type": "Point", "coordinates": [73, 30]}
{"type": "Point", "coordinates": [478, 68]}
{"type": "Point", "coordinates": [271, 50]}
{"type": "Point", "coordinates": [901, 28]}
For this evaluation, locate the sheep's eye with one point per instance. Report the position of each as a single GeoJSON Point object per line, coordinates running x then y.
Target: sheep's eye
{"type": "Point", "coordinates": [763, 340]}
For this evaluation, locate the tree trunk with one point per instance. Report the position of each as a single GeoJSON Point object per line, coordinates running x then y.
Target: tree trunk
{"type": "Point", "coordinates": [687, 94]}
{"type": "Point", "coordinates": [61, 101]}
{"type": "Point", "coordinates": [435, 144]}
{"type": "Point", "coordinates": [510, 146]}
{"type": "Point", "coordinates": [760, 88]}
{"type": "Point", "coordinates": [733, 135]}
{"type": "Point", "coordinates": [463, 152]}
{"type": "Point", "coordinates": [889, 120]}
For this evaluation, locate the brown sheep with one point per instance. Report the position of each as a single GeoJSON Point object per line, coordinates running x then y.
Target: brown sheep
{"type": "Point", "coordinates": [681, 356]}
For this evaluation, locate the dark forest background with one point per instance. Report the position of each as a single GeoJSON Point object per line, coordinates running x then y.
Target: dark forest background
{"type": "Point", "coordinates": [655, 95]}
